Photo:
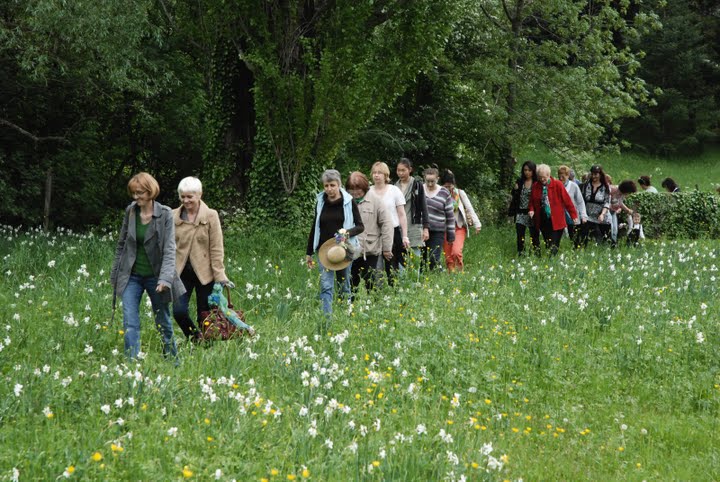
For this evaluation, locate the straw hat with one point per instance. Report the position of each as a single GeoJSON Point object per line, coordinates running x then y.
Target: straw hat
{"type": "Point", "coordinates": [333, 256]}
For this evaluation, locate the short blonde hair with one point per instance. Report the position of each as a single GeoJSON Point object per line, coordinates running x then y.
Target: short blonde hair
{"type": "Point", "coordinates": [143, 181]}
{"type": "Point", "coordinates": [543, 169]}
{"type": "Point", "coordinates": [382, 168]}
{"type": "Point", "coordinates": [190, 185]}
{"type": "Point", "coordinates": [563, 170]}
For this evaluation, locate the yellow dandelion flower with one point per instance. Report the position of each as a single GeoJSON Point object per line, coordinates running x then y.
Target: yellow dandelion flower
{"type": "Point", "coordinates": [306, 473]}
{"type": "Point", "coordinates": [291, 477]}
{"type": "Point", "coordinates": [475, 465]}
{"type": "Point", "coordinates": [504, 458]}
{"type": "Point", "coordinates": [621, 449]}
{"type": "Point", "coordinates": [274, 472]}
{"type": "Point", "coordinates": [376, 463]}
{"type": "Point", "coordinates": [96, 457]}
{"type": "Point", "coordinates": [210, 439]}
{"type": "Point", "coordinates": [488, 401]}
{"type": "Point", "coordinates": [207, 421]}
{"type": "Point", "coordinates": [186, 472]}
{"type": "Point", "coordinates": [70, 470]}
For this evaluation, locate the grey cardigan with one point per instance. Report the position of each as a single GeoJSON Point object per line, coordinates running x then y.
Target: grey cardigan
{"type": "Point", "coordinates": [159, 246]}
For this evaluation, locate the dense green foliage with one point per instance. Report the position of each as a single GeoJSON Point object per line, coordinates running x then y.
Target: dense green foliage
{"type": "Point", "coordinates": [683, 215]}
{"type": "Point", "coordinates": [603, 362]}
{"type": "Point", "coordinates": [682, 65]}
{"type": "Point", "coordinates": [257, 98]}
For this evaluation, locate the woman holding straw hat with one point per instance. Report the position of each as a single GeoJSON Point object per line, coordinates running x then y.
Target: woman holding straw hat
{"type": "Point", "coordinates": [333, 236]}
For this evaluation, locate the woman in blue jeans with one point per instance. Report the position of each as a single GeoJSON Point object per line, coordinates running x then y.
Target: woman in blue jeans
{"type": "Point", "coordinates": [145, 262]}
{"type": "Point", "coordinates": [334, 210]}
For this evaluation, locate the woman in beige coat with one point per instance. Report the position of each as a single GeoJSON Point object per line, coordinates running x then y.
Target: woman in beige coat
{"type": "Point", "coordinates": [377, 236]}
{"type": "Point", "coordinates": [199, 254]}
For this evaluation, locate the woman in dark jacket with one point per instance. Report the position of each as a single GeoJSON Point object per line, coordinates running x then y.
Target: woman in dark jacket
{"type": "Point", "coordinates": [145, 262]}
{"type": "Point", "coordinates": [519, 204]}
{"type": "Point", "coordinates": [416, 209]}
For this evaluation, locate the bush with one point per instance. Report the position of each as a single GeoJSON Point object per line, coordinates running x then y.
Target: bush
{"type": "Point", "coordinates": [692, 214]}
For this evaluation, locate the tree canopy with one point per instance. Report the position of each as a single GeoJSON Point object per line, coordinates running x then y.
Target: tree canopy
{"type": "Point", "coordinates": [256, 98]}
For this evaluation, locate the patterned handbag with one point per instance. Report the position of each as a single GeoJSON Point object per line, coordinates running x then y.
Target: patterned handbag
{"type": "Point", "coordinates": [216, 325]}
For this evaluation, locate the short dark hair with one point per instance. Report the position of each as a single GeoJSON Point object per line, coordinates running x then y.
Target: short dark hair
{"type": "Point", "coordinates": [644, 180]}
{"type": "Point", "coordinates": [670, 184]}
{"type": "Point", "coordinates": [447, 177]}
{"type": "Point", "coordinates": [406, 162]}
{"type": "Point", "coordinates": [627, 187]}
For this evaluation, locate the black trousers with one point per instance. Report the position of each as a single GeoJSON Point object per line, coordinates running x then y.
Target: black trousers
{"type": "Point", "coordinates": [574, 232]}
{"type": "Point", "coordinates": [520, 232]}
{"type": "Point", "coordinates": [392, 266]}
{"type": "Point", "coordinates": [551, 236]}
{"type": "Point", "coordinates": [364, 269]}
{"type": "Point", "coordinates": [600, 232]}
{"type": "Point", "coordinates": [181, 305]}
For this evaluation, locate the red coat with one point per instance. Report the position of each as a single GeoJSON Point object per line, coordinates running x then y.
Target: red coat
{"type": "Point", "coordinates": [559, 202]}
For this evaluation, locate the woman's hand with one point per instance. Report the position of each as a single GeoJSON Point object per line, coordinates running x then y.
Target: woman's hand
{"type": "Point", "coordinates": [161, 287]}
{"type": "Point", "coordinates": [387, 255]}
{"type": "Point", "coordinates": [310, 262]}
{"type": "Point", "coordinates": [601, 218]}
{"type": "Point", "coordinates": [406, 242]}
{"type": "Point", "coordinates": [477, 229]}
{"type": "Point", "coordinates": [425, 234]}
{"type": "Point", "coordinates": [531, 214]}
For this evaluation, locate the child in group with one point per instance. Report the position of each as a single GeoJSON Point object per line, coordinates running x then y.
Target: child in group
{"type": "Point", "coordinates": [635, 229]}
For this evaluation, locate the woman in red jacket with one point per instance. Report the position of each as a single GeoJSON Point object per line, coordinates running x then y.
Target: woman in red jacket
{"type": "Point", "coordinates": [548, 202]}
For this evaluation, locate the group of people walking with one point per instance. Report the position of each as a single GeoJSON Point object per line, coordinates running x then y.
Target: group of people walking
{"type": "Point", "coordinates": [361, 230]}
{"type": "Point", "coordinates": [168, 254]}
{"type": "Point", "coordinates": [358, 231]}
{"type": "Point", "coordinates": [587, 209]}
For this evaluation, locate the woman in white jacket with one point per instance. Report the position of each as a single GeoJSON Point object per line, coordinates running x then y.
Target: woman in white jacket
{"type": "Point", "coordinates": [573, 191]}
{"type": "Point", "coordinates": [465, 218]}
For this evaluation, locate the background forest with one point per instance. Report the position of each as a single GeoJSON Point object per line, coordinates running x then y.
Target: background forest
{"type": "Point", "coordinates": [256, 98]}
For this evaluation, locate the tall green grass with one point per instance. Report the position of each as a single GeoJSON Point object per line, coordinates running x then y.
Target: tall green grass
{"type": "Point", "coordinates": [597, 365]}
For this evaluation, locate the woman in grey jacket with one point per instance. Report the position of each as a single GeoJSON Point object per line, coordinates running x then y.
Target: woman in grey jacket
{"type": "Point", "coordinates": [145, 262]}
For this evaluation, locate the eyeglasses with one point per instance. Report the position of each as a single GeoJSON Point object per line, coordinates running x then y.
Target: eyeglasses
{"type": "Point", "coordinates": [139, 193]}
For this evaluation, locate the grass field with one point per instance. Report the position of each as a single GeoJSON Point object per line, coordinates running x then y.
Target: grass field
{"type": "Point", "coordinates": [600, 365]}
{"type": "Point", "coordinates": [701, 171]}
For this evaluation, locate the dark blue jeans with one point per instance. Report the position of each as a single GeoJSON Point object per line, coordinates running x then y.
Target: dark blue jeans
{"type": "Point", "coordinates": [131, 315]}
{"type": "Point", "coordinates": [433, 250]}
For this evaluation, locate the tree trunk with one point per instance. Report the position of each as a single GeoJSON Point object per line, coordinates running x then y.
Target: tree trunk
{"type": "Point", "coordinates": [48, 197]}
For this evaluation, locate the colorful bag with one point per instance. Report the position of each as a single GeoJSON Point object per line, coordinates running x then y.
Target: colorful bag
{"type": "Point", "coordinates": [216, 325]}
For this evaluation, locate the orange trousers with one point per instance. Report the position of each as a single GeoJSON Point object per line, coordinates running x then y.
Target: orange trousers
{"type": "Point", "coordinates": [454, 251]}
